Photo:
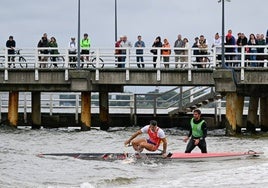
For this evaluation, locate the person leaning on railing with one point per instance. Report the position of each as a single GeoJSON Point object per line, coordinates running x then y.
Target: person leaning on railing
{"type": "Point", "coordinates": [252, 42]}
{"type": "Point", "coordinates": [11, 44]}
{"type": "Point", "coordinates": [157, 44]}
{"type": "Point", "coordinates": [166, 52]}
{"type": "Point", "coordinates": [202, 51]}
{"type": "Point", "coordinates": [139, 52]}
{"type": "Point", "coordinates": [72, 52]}
{"type": "Point", "coordinates": [267, 37]}
{"type": "Point", "coordinates": [231, 50]}
{"type": "Point", "coordinates": [184, 58]}
{"type": "Point", "coordinates": [240, 42]}
{"type": "Point", "coordinates": [43, 43]}
{"type": "Point", "coordinates": [53, 44]}
{"type": "Point", "coordinates": [178, 52]}
{"type": "Point", "coordinates": [196, 51]}
{"type": "Point", "coordinates": [124, 44]}
{"type": "Point", "coordinates": [260, 50]}
{"type": "Point", "coordinates": [117, 52]}
{"type": "Point", "coordinates": [85, 45]}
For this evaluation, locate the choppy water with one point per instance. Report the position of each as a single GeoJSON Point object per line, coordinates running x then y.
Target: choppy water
{"type": "Point", "coordinates": [20, 167]}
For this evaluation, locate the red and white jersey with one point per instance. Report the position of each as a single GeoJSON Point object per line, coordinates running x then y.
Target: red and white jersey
{"type": "Point", "coordinates": [155, 137]}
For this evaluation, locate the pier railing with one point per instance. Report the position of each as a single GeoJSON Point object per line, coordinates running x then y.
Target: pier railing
{"type": "Point", "coordinates": [105, 58]}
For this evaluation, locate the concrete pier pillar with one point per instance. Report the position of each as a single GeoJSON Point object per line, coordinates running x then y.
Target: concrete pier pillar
{"type": "Point", "coordinates": [264, 114]}
{"type": "Point", "coordinates": [104, 110]}
{"type": "Point", "coordinates": [239, 113]}
{"type": "Point", "coordinates": [252, 119]}
{"type": "Point", "coordinates": [36, 110]}
{"type": "Point", "coordinates": [85, 110]}
{"type": "Point", "coordinates": [234, 113]}
{"type": "Point", "coordinates": [13, 105]}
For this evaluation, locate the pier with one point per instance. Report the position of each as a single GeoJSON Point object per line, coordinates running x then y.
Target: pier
{"type": "Point", "coordinates": [100, 74]}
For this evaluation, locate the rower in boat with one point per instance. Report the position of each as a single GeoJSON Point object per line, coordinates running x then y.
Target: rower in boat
{"type": "Point", "coordinates": [156, 136]}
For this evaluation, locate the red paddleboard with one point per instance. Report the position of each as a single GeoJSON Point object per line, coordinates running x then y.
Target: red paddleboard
{"type": "Point", "coordinates": [220, 155]}
{"type": "Point", "coordinates": [175, 155]}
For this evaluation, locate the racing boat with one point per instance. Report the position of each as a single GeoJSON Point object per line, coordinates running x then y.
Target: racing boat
{"type": "Point", "coordinates": [171, 156]}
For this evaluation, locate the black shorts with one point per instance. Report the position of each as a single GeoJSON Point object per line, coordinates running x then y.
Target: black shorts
{"type": "Point", "coordinates": [85, 52]}
{"type": "Point", "coordinates": [150, 142]}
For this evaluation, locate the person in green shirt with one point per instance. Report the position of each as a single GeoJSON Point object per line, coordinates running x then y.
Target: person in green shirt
{"type": "Point", "coordinates": [197, 133]}
{"type": "Point", "coordinates": [53, 44]}
{"type": "Point", "coordinates": [85, 45]}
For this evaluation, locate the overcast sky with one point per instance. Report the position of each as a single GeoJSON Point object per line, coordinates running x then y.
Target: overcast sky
{"type": "Point", "coordinates": [27, 20]}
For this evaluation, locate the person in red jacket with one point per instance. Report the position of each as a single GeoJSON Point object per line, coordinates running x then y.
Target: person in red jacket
{"type": "Point", "coordinates": [156, 136]}
{"type": "Point", "coordinates": [118, 51]}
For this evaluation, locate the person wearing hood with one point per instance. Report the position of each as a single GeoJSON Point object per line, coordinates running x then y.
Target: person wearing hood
{"type": "Point", "coordinates": [157, 44]}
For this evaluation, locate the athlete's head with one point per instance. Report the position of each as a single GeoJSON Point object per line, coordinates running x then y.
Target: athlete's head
{"type": "Point", "coordinates": [153, 125]}
{"type": "Point", "coordinates": [197, 114]}
{"type": "Point", "coordinates": [153, 122]}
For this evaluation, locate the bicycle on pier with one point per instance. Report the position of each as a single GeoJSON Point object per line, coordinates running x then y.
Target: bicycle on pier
{"type": "Point", "coordinates": [91, 60]}
{"type": "Point", "coordinates": [13, 57]}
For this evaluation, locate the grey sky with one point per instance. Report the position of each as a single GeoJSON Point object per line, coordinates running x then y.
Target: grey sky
{"type": "Point", "coordinates": [27, 20]}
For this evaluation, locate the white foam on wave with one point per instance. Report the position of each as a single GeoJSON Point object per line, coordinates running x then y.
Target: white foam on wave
{"type": "Point", "coordinates": [86, 185]}
{"type": "Point", "coordinates": [253, 175]}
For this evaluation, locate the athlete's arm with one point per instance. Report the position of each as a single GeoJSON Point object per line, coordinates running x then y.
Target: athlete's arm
{"type": "Point", "coordinates": [164, 140]}
{"type": "Point", "coordinates": [132, 137]}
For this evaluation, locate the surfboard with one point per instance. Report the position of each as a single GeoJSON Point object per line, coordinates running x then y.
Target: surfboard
{"type": "Point", "coordinates": [172, 156]}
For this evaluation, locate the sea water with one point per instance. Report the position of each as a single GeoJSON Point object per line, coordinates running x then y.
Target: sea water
{"type": "Point", "coordinates": [20, 167]}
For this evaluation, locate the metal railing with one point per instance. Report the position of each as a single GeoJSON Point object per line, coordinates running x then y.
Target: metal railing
{"type": "Point", "coordinates": [129, 103]}
{"type": "Point", "coordinates": [105, 58]}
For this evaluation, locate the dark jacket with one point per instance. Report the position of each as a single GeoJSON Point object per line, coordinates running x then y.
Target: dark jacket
{"type": "Point", "coordinates": [11, 44]}
{"type": "Point", "coordinates": [43, 43]}
{"type": "Point", "coordinates": [157, 44]}
{"type": "Point", "coordinates": [241, 42]}
{"type": "Point", "coordinates": [230, 40]}
{"type": "Point", "coordinates": [53, 45]}
{"type": "Point", "coordinates": [267, 37]}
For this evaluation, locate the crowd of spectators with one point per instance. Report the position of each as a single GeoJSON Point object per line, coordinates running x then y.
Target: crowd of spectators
{"type": "Point", "coordinates": [255, 43]}
{"type": "Point", "coordinates": [233, 45]}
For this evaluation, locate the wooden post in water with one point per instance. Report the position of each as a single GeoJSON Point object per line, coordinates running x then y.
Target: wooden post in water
{"type": "Point", "coordinates": [234, 113]}
{"type": "Point", "coordinates": [104, 110]}
{"type": "Point", "coordinates": [13, 105]}
{"type": "Point", "coordinates": [36, 110]}
{"type": "Point", "coordinates": [264, 113]}
{"type": "Point", "coordinates": [252, 119]}
{"type": "Point", "coordinates": [239, 112]}
{"type": "Point", "coordinates": [85, 110]}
